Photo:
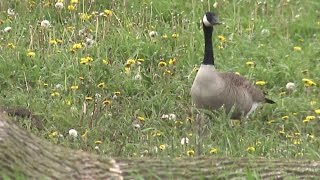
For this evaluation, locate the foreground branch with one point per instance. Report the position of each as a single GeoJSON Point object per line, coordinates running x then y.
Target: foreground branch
{"type": "Point", "coordinates": [24, 155]}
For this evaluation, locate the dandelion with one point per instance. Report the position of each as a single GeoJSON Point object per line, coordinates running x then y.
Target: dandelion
{"type": "Point", "coordinates": [308, 82]}
{"type": "Point", "coordinates": [88, 98]}
{"type": "Point", "coordinates": [140, 60]}
{"type": "Point", "coordinates": [96, 147]}
{"type": "Point", "coordinates": [55, 93]}
{"type": "Point", "coordinates": [285, 117]}
{"type": "Point", "coordinates": [74, 1]}
{"type": "Point", "coordinates": [117, 93]}
{"type": "Point", "coordinates": [98, 142]}
{"type": "Point", "coordinates": [73, 133]}
{"type": "Point", "coordinates": [53, 42]}
{"type": "Point", "coordinates": [59, 5]}
{"type": "Point", "coordinates": [282, 93]}
{"type": "Point", "coordinates": [313, 103]}
{"type": "Point", "coordinates": [84, 61]}
{"type": "Point", "coordinates": [137, 77]}
{"type": "Point", "coordinates": [271, 121]}
{"type": "Point", "coordinates": [101, 85]}
{"type": "Point", "coordinates": [105, 61]}
{"type": "Point", "coordinates": [162, 147]}
{"type": "Point", "coordinates": [310, 118]}
{"type": "Point", "coordinates": [45, 24]}
{"type": "Point", "coordinates": [7, 29]}
{"type": "Point", "coordinates": [106, 102]}
{"type": "Point", "coordinates": [81, 78]}
{"type": "Point", "coordinates": [140, 118]}
{"type": "Point", "coordinates": [261, 83]}
{"type": "Point", "coordinates": [11, 12]}
{"type": "Point", "coordinates": [317, 111]}
{"type": "Point", "coordinates": [290, 86]}
{"type": "Point", "coordinates": [71, 7]}
{"type": "Point", "coordinates": [153, 34]}
{"type": "Point", "coordinates": [251, 64]}
{"type": "Point", "coordinates": [75, 87]}
{"type": "Point", "coordinates": [184, 141]}
{"type": "Point", "coordinates": [107, 13]}
{"type": "Point", "coordinates": [85, 16]}
{"type": "Point", "coordinates": [54, 134]}
{"type": "Point", "coordinates": [213, 151]}
{"type": "Point", "coordinates": [77, 46]}
{"type": "Point", "coordinates": [175, 35]}
{"type": "Point", "coordinates": [297, 48]}
{"type": "Point", "coordinates": [265, 32]}
{"type": "Point", "coordinates": [162, 64]}
{"type": "Point", "coordinates": [131, 62]}
{"type": "Point", "coordinates": [221, 38]}
{"type": "Point", "coordinates": [31, 54]}
{"type": "Point", "coordinates": [164, 36]}
{"type": "Point", "coordinates": [172, 61]}
{"type": "Point", "coordinates": [190, 152]}
{"type": "Point", "coordinates": [251, 149]}
{"type": "Point", "coordinates": [172, 117]}
{"type": "Point", "coordinates": [296, 141]}
{"type": "Point", "coordinates": [11, 45]}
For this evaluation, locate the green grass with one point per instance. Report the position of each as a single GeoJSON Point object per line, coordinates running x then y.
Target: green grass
{"type": "Point", "coordinates": [265, 34]}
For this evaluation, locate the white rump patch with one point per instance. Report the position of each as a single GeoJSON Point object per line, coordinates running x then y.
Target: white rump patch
{"type": "Point", "coordinates": [253, 107]}
{"type": "Point", "coordinates": [205, 21]}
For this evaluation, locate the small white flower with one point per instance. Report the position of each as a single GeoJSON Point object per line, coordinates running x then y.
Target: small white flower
{"type": "Point", "coordinates": [96, 147]}
{"type": "Point", "coordinates": [89, 42]}
{"type": "Point", "coordinates": [7, 29]}
{"type": "Point", "coordinates": [11, 12]}
{"type": "Point", "coordinates": [165, 116]}
{"type": "Point", "coordinates": [290, 86]}
{"type": "Point", "coordinates": [59, 5]}
{"type": "Point", "coordinates": [215, 5]}
{"type": "Point", "coordinates": [137, 77]}
{"type": "Point", "coordinates": [172, 117]}
{"type": "Point", "coordinates": [265, 32]}
{"type": "Point", "coordinates": [153, 34]}
{"type": "Point", "coordinates": [73, 133]}
{"type": "Point", "coordinates": [45, 24]}
{"type": "Point", "coordinates": [184, 141]}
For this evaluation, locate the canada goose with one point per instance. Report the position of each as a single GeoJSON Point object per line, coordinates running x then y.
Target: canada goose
{"type": "Point", "coordinates": [212, 89]}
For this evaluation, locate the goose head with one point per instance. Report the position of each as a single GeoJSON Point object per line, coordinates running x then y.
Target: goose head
{"type": "Point", "coordinates": [210, 19]}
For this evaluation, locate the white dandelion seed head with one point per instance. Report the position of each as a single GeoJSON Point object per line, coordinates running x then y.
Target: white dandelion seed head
{"type": "Point", "coordinates": [290, 86]}
{"type": "Point", "coordinates": [73, 133]}
{"type": "Point", "coordinates": [153, 34]}
{"type": "Point", "coordinates": [165, 116]}
{"type": "Point", "coordinates": [172, 117]}
{"type": "Point", "coordinates": [265, 32]}
{"type": "Point", "coordinates": [7, 29]}
{"type": "Point", "coordinates": [96, 147]}
{"type": "Point", "coordinates": [136, 125]}
{"type": "Point", "coordinates": [11, 12]}
{"type": "Point", "coordinates": [59, 5]}
{"type": "Point", "coordinates": [59, 86]}
{"type": "Point", "coordinates": [89, 42]}
{"type": "Point", "coordinates": [184, 141]}
{"type": "Point", "coordinates": [45, 24]}
{"type": "Point", "coordinates": [137, 77]}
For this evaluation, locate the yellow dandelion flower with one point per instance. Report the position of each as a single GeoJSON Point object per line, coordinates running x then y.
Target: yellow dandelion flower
{"type": "Point", "coordinates": [117, 93]}
{"type": "Point", "coordinates": [54, 134]}
{"type": "Point", "coordinates": [81, 78]}
{"type": "Point", "coordinates": [75, 87]}
{"type": "Point", "coordinates": [172, 61]}
{"type": "Point", "coordinates": [71, 7]}
{"type": "Point", "coordinates": [251, 149]}
{"type": "Point", "coordinates": [85, 16]}
{"type": "Point", "coordinates": [45, 84]}
{"type": "Point", "coordinates": [213, 151]}
{"type": "Point", "coordinates": [297, 48]}
{"type": "Point", "coordinates": [167, 72]}
{"type": "Point", "coordinates": [74, 1]}
{"type": "Point", "coordinates": [162, 64]}
{"type": "Point", "coordinates": [251, 64]}
{"type": "Point", "coordinates": [271, 121]}
{"type": "Point", "coordinates": [71, 28]}
{"type": "Point", "coordinates": [175, 35]}
{"type": "Point", "coordinates": [222, 38]}
{"type": "Point", "coordinates": [261, 83]}
{"type": "Point", "coordinates": [131, 61]}
{"type": "Point", "coordinates": [190, 152]}
{"type": "Point", "coordinates": [55, 94]}
{"type": "Point", "coordinates": [59, 41]}
{"type": "Point", "coordinates": [162, 147]}
{"type": "Point", "coordinates": [84, 61]}
{"type": "Point", "coordinates": [140, 118]}
{"type": "Point", "coordinates": [308, 82]}
{"type": "Point", "coordinates": [282, 93]}
{"type": "Point", "coordinates": [77, 46]}
{"type": "Point", "coordinates": [317, 111]}
{"type": "Point", "coordinates": [164, 36]}
{"type": "Point", "coordinates": [313, 103]}
{"type": "Point", "coordinates": [282, 132]}
{"type": "Point", "coordinates": [107, 13]}
{"type": "Point", "coordinates": [237, 73]}
{"type": "Point", "coordinates": [98, 142]}
{"type": "Point", "coordinates": [101, 85]}
{"type": "Point", "coordinates": [127, 70]}
{"type": "Point", "coordinates": [67, 102]}
{"type": "Point", "coordinates": [140, 60]}
{"type": "Point", "coordinates": [310, 118]}
{"type": "Point", "coordinates": [88, 98]}
{"type": "Point", "coordinates": [296, 141]}
{"type": "Point", "coordinates": [31, 54]}
{"type": "Point", "coordinates": [105, 61]}
{"type": "Point", "coordinates": [90, 59]}
{"type": "Point", "coordinates": [53, 42]}
{"type": "Point", "coordinates": [285, 117]}
{"type": "Point", "coordinates": [106, 102]}
{"type": "Point", "coordinates": [306, 121]}
{"type": "Point", "coordinates": [11, 45]}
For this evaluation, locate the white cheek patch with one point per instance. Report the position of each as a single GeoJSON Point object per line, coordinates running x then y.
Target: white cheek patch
{"type": "Point", "coordinates": [205, 21]}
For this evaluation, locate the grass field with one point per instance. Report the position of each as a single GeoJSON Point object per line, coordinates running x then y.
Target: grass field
{"type": "Point", "coordinates": [120, 72]}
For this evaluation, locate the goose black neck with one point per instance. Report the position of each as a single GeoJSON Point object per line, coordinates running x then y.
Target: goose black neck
{"type": "Point", "coordinates": [208, 47]}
